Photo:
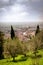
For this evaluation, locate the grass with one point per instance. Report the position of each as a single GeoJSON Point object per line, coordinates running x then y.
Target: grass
{"type": "Point", "coordinates": [20, 60]}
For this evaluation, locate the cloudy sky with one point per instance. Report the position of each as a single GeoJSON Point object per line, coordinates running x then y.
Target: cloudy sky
{"type": "Point", "coordinates": [21, 10]}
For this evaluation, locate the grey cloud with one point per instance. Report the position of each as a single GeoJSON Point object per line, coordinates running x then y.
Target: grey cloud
{"type": "Point", "coordinates": [34, 6]}
{"type": "Point", "coordinates": [4, 3]}
{"type": "Point", "coordinates": [38, 7]}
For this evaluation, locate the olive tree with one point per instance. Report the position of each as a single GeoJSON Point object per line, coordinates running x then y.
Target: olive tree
{"type": "Point", "coordinates": [36, 43]}
{"type": "Point", "coordinates": [15, 47]}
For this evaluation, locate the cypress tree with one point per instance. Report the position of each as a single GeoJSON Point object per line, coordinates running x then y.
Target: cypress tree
{"type": "Point", "coordinates": [12, 32]}
{"type": "Point", "coordinates": [37, 30]}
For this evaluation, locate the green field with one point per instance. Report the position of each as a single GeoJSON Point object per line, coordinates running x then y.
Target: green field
{"type": "Point", "coordinates": [21, 60]}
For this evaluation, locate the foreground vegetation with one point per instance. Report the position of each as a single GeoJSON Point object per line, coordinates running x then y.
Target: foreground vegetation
{"type": "Point", "coordinates": [21, 60]}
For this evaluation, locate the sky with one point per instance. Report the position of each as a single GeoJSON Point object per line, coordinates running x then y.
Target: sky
{"type": "Point", "coordinates": [21, 10]}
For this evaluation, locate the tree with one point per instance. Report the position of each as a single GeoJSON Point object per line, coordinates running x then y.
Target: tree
{"type": "Point", "coordinates": [1, 45]}
{"type": "Point", "coordinates": [11, 48]}
{"type": "Point", "coordinates": [12, 33]}
{"type": "Point", "coordinates": [37, 30]}
{"type": "Point", "coordinates": [33, 45]}
{"type": "Point", "coordinates": [40, 39]}
{"type": "Point", "coordinates": [35, 49]}
{"type": "Point", "coordinates": [15, 47]}
{"type": "Point", "coordinates": [36, 43]}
